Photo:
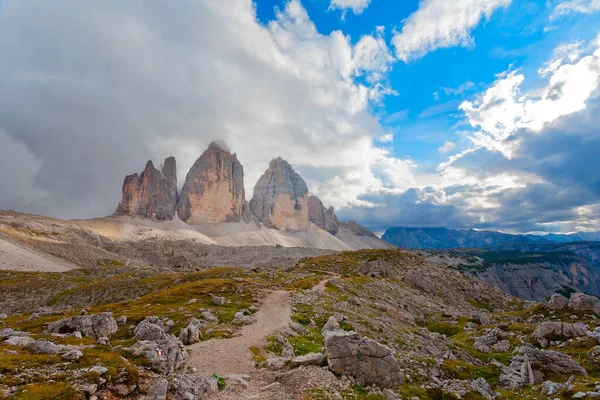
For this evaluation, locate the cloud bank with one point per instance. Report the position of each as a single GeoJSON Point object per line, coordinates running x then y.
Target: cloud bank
{"type": "Point", "coordinates": [89, 95]}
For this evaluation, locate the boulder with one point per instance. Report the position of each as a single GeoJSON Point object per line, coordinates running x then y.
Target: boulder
{"type": "Point", "coordinates": [322, 217]}
{"type": "Point", "coordinates": [558, 331]}
{"type": "Point", "coordinates": [152, 194]}
{"type": "Point", "coordinates": [482, 387]}
{"type": "Point", "coordinates": [244, 320]}
{"type": "Point", "coordinates": [557, 302]}
{"type": "Point", "coordinates": [584, 302]}
{"type": "Point", "coordinates": [530, 366]}
{"type": "Point", "coordinates": [196, 387]}
{"type": "Point", "coordinates": [213, 191]}
{"type": "Point", "coordinates": [192, 333]}
{"type": "Point", "coordinates": [308, 359]}
{"type": "Point", "coordinates": [122, 320]}
{"type": "Point", "coordinates": [331, 325]}
{"type": "Point", "coordinates": [96, 326]}
{"type": "Point", "coordinates": [43, 347]}
{"type": "Point", "coordinates": [20, 341]}
{"type": "Point", "coordinates": [218, 300]}
{"type": "Point", "coordinates": [362, 358]}
{"type": "Point", "coordinates": [167, 356]}
{"type": "Point", "coordinates": [288, 350]}
{"type": "Point", "coordinates": [281, 198]}
{"type": "Point", "coordinates": [486, 342]}
{"type": "Point", "coordinates": [8, 332]}
{"type": "Point", "coordinates": [158, 391]}
{"type": "Point", "coordinates": [72, 355]}
{"type": "Point", "coordinates": [209, 317]}
{"type": "Point", "coordinates": [147, 330]}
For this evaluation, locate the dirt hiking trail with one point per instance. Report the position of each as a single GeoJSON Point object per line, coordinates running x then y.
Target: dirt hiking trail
{"type": "Point", "coordinates": [233, 356]}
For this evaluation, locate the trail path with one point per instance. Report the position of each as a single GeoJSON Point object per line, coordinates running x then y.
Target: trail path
{"type": "Point", "coordinates": [233, 356]}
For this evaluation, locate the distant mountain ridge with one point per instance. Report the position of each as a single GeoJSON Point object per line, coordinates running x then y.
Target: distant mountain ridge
{"type": "Point", "coordinates": [444, 238]}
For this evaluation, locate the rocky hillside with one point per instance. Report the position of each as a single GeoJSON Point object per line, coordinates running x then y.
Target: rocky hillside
{"type": "Point", "coordinates": [531, 272]}
{"type": "Point", "coordinates": [370, 325]}
{"type": "Point", "coordinates": [443, 238]}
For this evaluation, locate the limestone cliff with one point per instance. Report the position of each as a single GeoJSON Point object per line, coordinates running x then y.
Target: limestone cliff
{"type": "Point", "coordinates": [281, 197]}
{"type": "Point", "coordinates": [324, 218]}
{"type": "Point", "coordinates": [152, 194]}
{"type": "Point", "coordinates": [213, 191]}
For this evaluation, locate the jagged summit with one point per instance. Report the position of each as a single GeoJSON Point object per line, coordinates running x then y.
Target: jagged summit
{"type": "Point", "coordinates": [324, 218]}
{"type": "Point", "coordinates": [152, 194]}
{"type": "Point", "coordinates": [280, 197]}
{"type": "Point", "coordinates": [213, 191]}
{"type": "Point", "coordinates": [213, 194]}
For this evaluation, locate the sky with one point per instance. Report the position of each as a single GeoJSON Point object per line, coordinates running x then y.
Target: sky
{"type": "Point", "coordinates": [463, 114]}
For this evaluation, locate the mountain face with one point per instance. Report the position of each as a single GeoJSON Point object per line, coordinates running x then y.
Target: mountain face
{"type": "Point", "coordinates": [213, 191]}
{"type": "Point", "coordinates": [324, 218]}
{"type": "Point", "coordinates": [357, 229]}
{"type": "Point", "coordinates": [152, 194]}
{"type": "Point", "coordinates": [442, 238]}
{"type": "Point", "coordinates": [281, 198]}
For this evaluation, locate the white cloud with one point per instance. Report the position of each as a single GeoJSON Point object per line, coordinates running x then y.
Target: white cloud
{"type": "Point", "coordinates": [575, 7]}
{"type": "Point", "coordinates": [440, 24]}
{"type": "Point", "coordinates": [503, 109]}
{"type": "Point", "coordinates": [357, 6]}
{"type": "Point", "coordinates": [387, 138]}
{"type": "Point", "coordinates": [96, 92]}
{"type": "Point", "coordinates": [528, 165]}
{"type": "Point", "coordinates": [447, 147]}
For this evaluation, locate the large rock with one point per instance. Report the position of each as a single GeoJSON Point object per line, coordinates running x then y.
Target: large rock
{"type": "Point", "coordinates": [362, 358]}
{"type": "Point", "coordinates": [557, 302]}
{"type": "Point", "coordinates": [43, 347]}
{"type": "Point", "coordinates": [97, 325]}
{"type": "Point", "coordinates": [158, 391]}
{"type": "Point", "coordinates": [167, 356]}
{"type": "Point", "coordinates": [530, 366]}
{"type": "Point", "coordinates": [152, 194]}
{"type": "Point", "coordinates": [558, 331]}
{"type": "Point", "coordinates": [147, 330]}
{"type": "Point", "coordinates": [584, 302]}
{"type": "Point", "coordinates": [196, 387]}
{"type": "Point", "coordinates": [322, 217]}
{"type": "Point", "coordinates": [281, 197]}
{"type": "Point", "coordinates": [213, 191]}
{"type": "Point", "coordinates": [193, 332]}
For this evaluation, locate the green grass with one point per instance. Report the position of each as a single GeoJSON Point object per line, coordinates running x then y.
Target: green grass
{"type": "Point", "coordinates": [442, 328]}
{"type": "Point", "coordinates": [48, 391]}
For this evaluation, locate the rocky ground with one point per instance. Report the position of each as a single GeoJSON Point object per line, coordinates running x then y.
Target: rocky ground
{"type": "Point", "coordinates": [376, 324]}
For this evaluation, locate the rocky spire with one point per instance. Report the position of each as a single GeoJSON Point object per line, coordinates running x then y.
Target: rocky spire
{"type": "Point", "coordinates": [152, 194]}
{"type": "Point", "coordinates": [322, 217]}
{"type": "Point", "coordinates": [281, 197]}
{"type": "Point", "coordinates": [213, 191]}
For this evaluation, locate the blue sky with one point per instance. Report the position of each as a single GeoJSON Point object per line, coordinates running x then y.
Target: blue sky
{"type": "Point", "coordinates": [517, 36]}
{"type": "Point", "coordinates": [463, 113]}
